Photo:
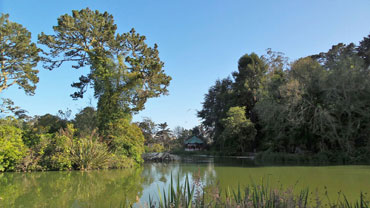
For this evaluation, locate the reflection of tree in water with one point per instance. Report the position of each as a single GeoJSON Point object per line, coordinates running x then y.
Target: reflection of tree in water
{"type": "Point", "coordinates": [70, 189]}
{"type": "Point", "coordinates": [95, 188]}
{"type": "Point", "coordinates": [161, 172]}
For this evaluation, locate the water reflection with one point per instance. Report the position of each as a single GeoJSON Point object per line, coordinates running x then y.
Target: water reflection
{"type": "Point", "coordinates": [70, 189]}
{"type": "Point", "coordinates": [113, 188]}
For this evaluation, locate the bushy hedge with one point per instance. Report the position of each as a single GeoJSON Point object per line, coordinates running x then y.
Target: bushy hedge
{"type": "Point", "coordinates": [24, 147]}
{"type": "Point", "coordinates": [12, 149]}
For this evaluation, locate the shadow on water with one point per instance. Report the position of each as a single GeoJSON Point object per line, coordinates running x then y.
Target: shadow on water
{"type": "Point", "coordinates": [219, 161]}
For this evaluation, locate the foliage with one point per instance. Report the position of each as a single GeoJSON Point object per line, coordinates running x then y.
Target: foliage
{"type": "Point", "coordinates": [248, 78]}
{"type": "Point", "coordinates": [164, 135]}
{"type": "Point", "coordinates": [321, 107]}
{"type": "Point", "coordinates": [180, 132]}
{"type": "Point", "coordinates": [255, 195]}
{"type": "Point", "coordinates": [125, 139]}
{"type": "Point", "coordinates": [86, 121]}
{"type": "Point", "coordinates": [315, 104]}
{"type": "Point", "coordinates": [34, 159]}
{"type": "Point", "coordinates": [57, 154]}
{"type": "Point", "coordinates": [154, 148]}
{"type": "Point", "coordinates": [124, 72]}
{"type": "Point", "coordinates": [48, 123]}
{"type": "Point", "coordinates": [89, 38]}
{"type": "Point", "coordinates": [148, 128]}
{"type": "Point", "coordinates": [159, 138]}
{"type": "Point", "coordinates": [88, 153]}
{"type": "Point", "coordinates": [215, 106]}
{"type": "Point", "coordinates": [364, 50]}
{"type": "Point", "coordinates": [239, 131]}
{"type": "Point", "coordinates": [18, 57]}
{"type": "Point", "coordinates": [7, 106]}
{"type": "Point", "coordinates": [12, 149]}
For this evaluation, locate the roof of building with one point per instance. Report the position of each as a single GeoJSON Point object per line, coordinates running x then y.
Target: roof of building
{"type": "Point", "coordinates": [194, 140]}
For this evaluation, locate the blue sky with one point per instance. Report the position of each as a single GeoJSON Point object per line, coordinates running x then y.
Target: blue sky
{"type": "Point", "coordinates": [199, 41]}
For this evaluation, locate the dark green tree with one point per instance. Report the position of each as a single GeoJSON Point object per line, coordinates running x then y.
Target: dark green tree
{"type": "Point", "coordinates": [18, 57]}
{"type": "Point", "coordinates": [148, 128]}
{"type": "Point", "coordinates": [164, 134]}
{"type": "Point", "coordinates": [217, 102]}
{"type": "Point", "coordinates": [49, 123]}
{"type": "Point", "coordinates": [364, 50]}
{"type": "Point", "coordinates": [181, 134]}
{"type": "Point", "coordinates": [124, 70]}
{"type": "Point", "coordinates": [86, 121]}
{"type": "Point", "coordinates": [239, 132]}
{"type": "Point", "coordinates": [89, 38]}
{"type": "Point", "coordinates": [248, 78]}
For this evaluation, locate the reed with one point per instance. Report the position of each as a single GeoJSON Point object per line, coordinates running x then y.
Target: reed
{"type": "Point", "coordinates": [254, 196]}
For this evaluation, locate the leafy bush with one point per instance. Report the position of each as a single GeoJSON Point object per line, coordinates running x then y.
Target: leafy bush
{"type": "Point", "coordinates": [12, 149]}
{"type": "Point", "coordinates": [126, 139]}
{"type": "Point", "coordinates": [154, 148]}
{"type": "Point", "coordinates": [35, 153]}
{"type": "Point", "coordinates": [86, 121]}
{"type": "Point", "coordinates": [239, 132]}
{"type": "Point", "coordinates": [67, 151]}
{"type": "Point", "coordinates": [121, 161]}
{"type": "Point", "coordinates": [88, 153]}
{"type": "Point", "coordinates": [57, 153]}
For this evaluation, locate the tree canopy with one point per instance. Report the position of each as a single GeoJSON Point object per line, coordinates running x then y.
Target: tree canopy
{"type": "Point", "coordinates": [18, 57]}
{"type": "Point", "coordinates": [317, 104]}
{"type": "Point", "coordinates": [120, 62]}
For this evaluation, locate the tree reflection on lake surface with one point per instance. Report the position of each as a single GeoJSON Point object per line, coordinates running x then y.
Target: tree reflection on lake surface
{"type": "Point", "coordinates": [70, 189]}
{"type": "Point", "coordinates": [113, 188]}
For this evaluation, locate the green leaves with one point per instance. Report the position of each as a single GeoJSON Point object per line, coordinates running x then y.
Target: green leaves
{"type": "Point", "coordinates": [124, 72]}
{"type": "Point", "coordinates": [125, 139]}
{"type": "Point", "coordinates": [18, 57]}
{"type": "Point", "coordinates": [239, 130]}
{"type": "Point", "coordinates": [320, 104]}
{"type": "Point", "coordinates": [120, 62]}
{"type": "Point", "coordinates": [12, 149]}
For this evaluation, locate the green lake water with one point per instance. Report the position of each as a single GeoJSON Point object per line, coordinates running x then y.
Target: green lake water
{"type": "Point", "coordinates": [110, 188]}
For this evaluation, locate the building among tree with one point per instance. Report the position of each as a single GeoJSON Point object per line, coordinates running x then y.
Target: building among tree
{"type": "Point", "coordinates": [194, 144]}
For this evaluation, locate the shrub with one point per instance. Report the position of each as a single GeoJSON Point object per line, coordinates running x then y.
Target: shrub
{"type": "Point", "coordinates": [154, 148]}
{"type": "Point", "coordinates": [35, 154]}
{"type": "Point", "coordinates": [125, 139]}
{"type": "Point", "coordinates": [121, 161]}
{"type": "Point", "coordinates": [66, 151]}
{"type": "Point", "coordinates": [12, 149]}
{"type": "Point", "coordinates": [89, 153]}
{"type": "Point", "coordinates": [57, 153]}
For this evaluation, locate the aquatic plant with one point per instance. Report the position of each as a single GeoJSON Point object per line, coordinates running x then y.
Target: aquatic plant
{"type": "Point", "coordinates": [254, 195]}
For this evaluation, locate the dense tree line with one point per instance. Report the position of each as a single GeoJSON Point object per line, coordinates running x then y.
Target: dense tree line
{"type": "Point", "coordinates": [314, 105]}
{"type": "Point", "coordinates": [159, 138]}
{"type": "Point", "coordinates": [124, 73]}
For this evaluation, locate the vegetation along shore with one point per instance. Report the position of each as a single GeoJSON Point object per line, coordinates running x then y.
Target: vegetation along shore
{"type": "Point", "coordinates": [270, 110]}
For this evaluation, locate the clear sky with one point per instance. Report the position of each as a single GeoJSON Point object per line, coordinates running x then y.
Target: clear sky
{"type": "Point", "coordinates": [199, 41]}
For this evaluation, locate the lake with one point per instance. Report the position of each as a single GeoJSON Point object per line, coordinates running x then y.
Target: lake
{"type": "Point", "coordinates": [110, 188]}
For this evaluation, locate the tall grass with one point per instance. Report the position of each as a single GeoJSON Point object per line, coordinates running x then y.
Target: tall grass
{"type": "Point", "coordinates": [255, 196]}
{"type": "Point", "coordinates": [88, 153]}
{"type": "Point", "coordinates": [181, 195]}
